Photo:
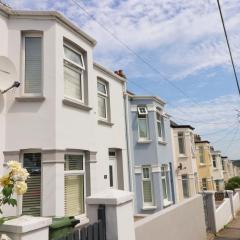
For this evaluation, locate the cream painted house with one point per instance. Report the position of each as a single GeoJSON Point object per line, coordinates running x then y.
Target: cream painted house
{"type": "Point", "coordinates": [185, 165]}
{"type": "Point", "coordinates": [217, 172]}
{"type": "Point", "coordinates": [66, 122]}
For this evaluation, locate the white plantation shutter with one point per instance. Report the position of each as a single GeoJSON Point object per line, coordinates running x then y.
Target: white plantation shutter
{"type": "Point", "coordinates": [31, 204]}
{"type": "Point", "coordinates": [33, 65]}
{"type": "Point", "coordinates": [74, 195]}
{"type": "Point", "coordinates": [31, 200]}
{"type": "Point", "coordinates": [72, 83]}
{"type": "Point", "coordinates": [74, 185]}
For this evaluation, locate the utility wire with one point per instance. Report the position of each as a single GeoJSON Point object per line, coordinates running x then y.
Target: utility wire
{"type": "Point", "coordinates": [133, 52]}
{"type": "Point", "coordinates": [229, 48]}
{"type": "Point", "coordinates": [232, 140]}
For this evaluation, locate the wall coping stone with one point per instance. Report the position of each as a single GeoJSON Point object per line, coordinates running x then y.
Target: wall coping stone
{"type": "Point", "coordinates": [110, 197]}
{"type": "Point", "coordinates": [25, 224]}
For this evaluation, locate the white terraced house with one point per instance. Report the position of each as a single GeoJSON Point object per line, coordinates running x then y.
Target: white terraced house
{"type": "Point", "coordinates": [66, 122]}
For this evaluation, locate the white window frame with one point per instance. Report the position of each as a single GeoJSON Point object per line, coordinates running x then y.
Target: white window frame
{"type": "Point", "coordinates": [75, 67]}
{"type": "Point", "coordinates": [145, 111]}
{"type": "Point", "coordinates": [165, 169]}
{"type": "Point", "coordinates": [161, 122]}
{"type": "Point", "coordinates": [105, 96]}
{"type": "Point", "coordinates": [24, 36]}
{"type": "Point", "coordinates": [77, 173]}
{"type": "Point", "coordinates": [184, 143]}
{"type": "Point", "coordinates": [204, 188]}
{"type": "Point", "coordinates": [143, 116]}
{"type": "Point", "coordinates": [147, 204]}
{"type": "Point", "coordinates": [201, 151]}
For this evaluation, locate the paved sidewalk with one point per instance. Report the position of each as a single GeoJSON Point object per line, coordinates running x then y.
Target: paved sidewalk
{"type": "Point", "coordinates": [231, 232]}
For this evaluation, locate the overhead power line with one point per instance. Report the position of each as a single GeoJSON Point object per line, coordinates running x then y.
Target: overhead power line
{"type": "Point", "coordinates": [229, 48]}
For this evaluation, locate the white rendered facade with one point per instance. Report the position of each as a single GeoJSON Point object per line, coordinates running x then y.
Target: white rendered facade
{"type": "Point", "coordinates": [56, 126]}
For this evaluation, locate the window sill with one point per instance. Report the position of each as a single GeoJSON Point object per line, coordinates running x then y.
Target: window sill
{"type": "Point", "coordinates": [75, 104]}
{"type": "Point", "coordinates": [103, 122]}
{"type": "Point", "coordinates": [144, 141]}
{"type": "Point", "coordinates": [162, 142]}
{"type": "Point", "coordinates": [30, 99]}
{"type": "Point", "coordinates": [167, 203]}
{"type": "Point", "coordinates": [146, 208]}
{"type": "Point", "coordinates": [202, 165]}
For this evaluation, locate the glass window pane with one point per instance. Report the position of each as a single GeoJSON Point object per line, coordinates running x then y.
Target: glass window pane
{"type": "Point", "coordinates": [33, 65]}
{"type": "Point", "coordinates": [72, 83]}
{"type": "Point", "coordinates": [147, 191]}
{"type": "Point", "coordinates": [146, 173]}
{"type": "Point", "coordinates": [185, 185]}
{"type": "Point", "coordinates": [111, 175]}
{"type": "Point", "coordinates": [73, 56]}
{"type": "Point", "coordinates": [102, 107]}
{"type": "Point", "coordinates": [74, 195]}
{"type": "Point", "coordinates": [181, 143]}
{"type": "Point", "coordinates": [164, 185]}
{"type": "Point", "coordinates": [101, 88]}
{"type": "Point", "coordinates": [143, 130]}
{"type": "Point", "coordinates": [159, 129]}
{"type": "Point", "coordinates": [73, 162]}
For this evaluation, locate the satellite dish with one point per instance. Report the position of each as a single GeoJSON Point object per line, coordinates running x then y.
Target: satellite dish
{"type": "Point", "coordinates": [8, 75]}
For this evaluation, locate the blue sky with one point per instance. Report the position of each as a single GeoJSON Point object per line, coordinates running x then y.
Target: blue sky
{"type": "Point", "coordinates": [184, 41]}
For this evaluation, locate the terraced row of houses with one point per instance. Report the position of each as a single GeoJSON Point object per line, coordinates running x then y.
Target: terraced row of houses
{"type": "Point", "coordinates": [75, 127]}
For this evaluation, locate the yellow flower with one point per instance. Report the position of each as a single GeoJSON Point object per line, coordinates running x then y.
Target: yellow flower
{"type": "Point", "coordinates": [5, 180]}
{"type": "Point", "coordinates": [14, 165]}
{"type": "Point", "coordinates": [20, 187]}
{"type": "Point", "coordinates": [20, 175]}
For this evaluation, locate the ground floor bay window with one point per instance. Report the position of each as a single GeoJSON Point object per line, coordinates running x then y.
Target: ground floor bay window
{"type": "Point", "coordinates": [165, 184]}
{"type": "Point", "coordinates": [74, 181]}
{"type": "Point", "coordinates": [147, 186]}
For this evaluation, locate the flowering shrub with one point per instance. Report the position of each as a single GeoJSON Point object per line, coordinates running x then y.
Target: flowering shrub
{"type": "Point", "coordinates": [13, 182]}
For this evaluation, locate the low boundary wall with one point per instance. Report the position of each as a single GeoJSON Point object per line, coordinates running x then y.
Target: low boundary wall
{"type": "Point", "coordinates": [183, 221]}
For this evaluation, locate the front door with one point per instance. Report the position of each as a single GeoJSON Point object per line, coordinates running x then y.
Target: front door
{"type": "Point", "coordinates": [113, 180]}
{"type": "Point", "coordinates": [31, 204]}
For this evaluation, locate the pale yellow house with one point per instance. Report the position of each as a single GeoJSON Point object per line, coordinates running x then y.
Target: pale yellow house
{"type": "Point", "coordinates": [186, 176]}
{"type": "Point", "coordinates": [204, 164]}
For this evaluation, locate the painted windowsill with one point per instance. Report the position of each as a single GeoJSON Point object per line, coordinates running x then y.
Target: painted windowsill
{"type": "Point", "coordinates": [76, 104]}
{"type": "Point", "coordinates": [167, 203]}
{"type": "Point", "coordinates": [25, 98]}
{"type": "Point", "coordinates": [149, 208]}
{"type": "Point", "coordinates": [105, 122]}
{"type": "Point", "coordinates": [142, 141]}
{"type": "Point", "coordinates": [162, 142]}
{"type": "Point", "coordinates": [202, 165]}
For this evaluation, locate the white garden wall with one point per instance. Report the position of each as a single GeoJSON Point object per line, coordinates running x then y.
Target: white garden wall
{"type": "Point", "coordinates": [183, 221]}
{"type": "Point", "coordinates": [236, 203]}
{"type": "Point", "coordinates": [223, 214]}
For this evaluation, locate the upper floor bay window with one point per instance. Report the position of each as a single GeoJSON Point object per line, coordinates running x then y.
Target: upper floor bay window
{"type": "Point", "coordinates": [160, 127]}
{"type": "Point", "coordinates": [103, 99]}
{"type": "Point", "coordinates": [147, 186]}
{"type": "Point", "coordinates": [74, 184]}
{"type": "Point", "coordinates": [201, 154]}
{"type": "Point", "coordinates": [181, 142]}
{"type": "Point", "coordinates": [33, 62]}
{"type": "Point", "coordinates": [214, 161]}
{"type": "Point", "coordinates": [73, 73]}
{"type": "Point", "coordinates": [143, 123]}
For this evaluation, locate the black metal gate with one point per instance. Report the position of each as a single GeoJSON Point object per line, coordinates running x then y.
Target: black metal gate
{"type": "Point", "coordinates": [96, 231]}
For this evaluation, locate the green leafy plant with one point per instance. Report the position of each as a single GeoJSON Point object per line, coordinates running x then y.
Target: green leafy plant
{"type": "Point", "coordinates": [233, 183]}
{"type": "Point", "coordinates": [14, 182]}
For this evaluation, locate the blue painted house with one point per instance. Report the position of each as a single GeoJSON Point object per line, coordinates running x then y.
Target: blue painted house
{"type": "Point", "coordinates": [151, 154]}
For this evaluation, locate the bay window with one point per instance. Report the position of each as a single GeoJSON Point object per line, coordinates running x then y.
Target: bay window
{"type": "Point", "coordinates": [103, 100]}
{"type": "Point", "coordinates": [73, 73]}
{"type": "Point", "coordinates": [181, 142]}
{"type": "Point", "coordinates": [32, 54]}
{"type": "Point", "coordinates": [143, 123]}
{"type": "Point", "coordinates": [160, 127]}
{"type": "Point", "coordinates": [165, 184]}
{"type": "Point", "coordinates": [74, 184]}
{"type": "Point", "coordinates": [147, 186]}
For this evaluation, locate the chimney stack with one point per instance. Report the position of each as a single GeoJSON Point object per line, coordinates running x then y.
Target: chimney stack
{"type": "Point", "coordinates": [120, 73]}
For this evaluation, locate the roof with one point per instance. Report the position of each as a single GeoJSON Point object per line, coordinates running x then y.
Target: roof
{"type": "Point", "coordinates": [203, 141]}
{"type": "Point", "coordinates": [108, 72]}
{"type": "Point", "coordinates": [153, 98]}
{"type": "Point", "coordinates": [175, 125]}
{"type": "Point", "coordinates": [49, 15]}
